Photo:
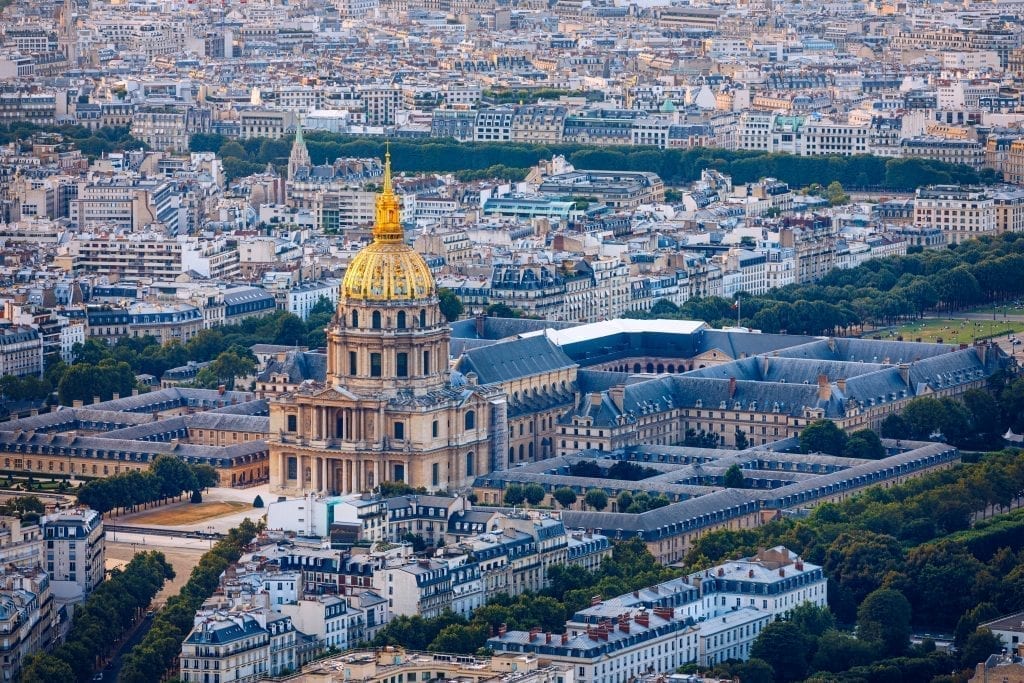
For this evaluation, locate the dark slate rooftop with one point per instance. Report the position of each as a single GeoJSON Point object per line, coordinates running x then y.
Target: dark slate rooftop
{"type": "Point", "coordinates": [514, 358]}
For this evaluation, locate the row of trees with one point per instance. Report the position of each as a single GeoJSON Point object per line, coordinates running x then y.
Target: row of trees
{"type": "Point", "coordinates": [92, 143]}
{"type": "Point", "coordinates": [99, 369]}
{"type": "Point", "coordinates": [675, 166]}
{"type": "Point", "coordinates": [975, 420]}
{"type": "Point", "coordinates": [101, 621]}
{"type": "Point", "coordinates": [807, 645]}
{"type": "Point", "coordinates": [168, 477]}
{"type": "Point", "coordinates": [880, 291]}
{"type": "Point", "coordinates": [913, 538]}
{"type": "Point", "coordinates": [629, 567]}
{"type": "Point", "coordinates": [823, 436]}
{"type": "Point", "coordinates": [156, 653]}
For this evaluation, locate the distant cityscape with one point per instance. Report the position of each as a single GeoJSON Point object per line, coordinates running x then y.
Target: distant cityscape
{"type": "Point", "coordinates": [507, 341]}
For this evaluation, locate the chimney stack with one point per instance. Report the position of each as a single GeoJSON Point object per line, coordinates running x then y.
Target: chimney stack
{"type": "Point", "coordinates": [732, 387]}
{"type": "Point", "coordinates": [721, 571]}
{"type": "Point", "coordinates": [502, 630]}
{"type": "Point", "coordinates": [782, 571]}
{"type": "Point", "coordinates": [905, 373]}
{"type": "Point", "coordinates": [824, 388]}
{"type": "Point", "coordinates": [618, 396]}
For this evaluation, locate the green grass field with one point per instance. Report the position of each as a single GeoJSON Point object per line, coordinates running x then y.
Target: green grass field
{"type": "Point", "coordinates": [952, 331]}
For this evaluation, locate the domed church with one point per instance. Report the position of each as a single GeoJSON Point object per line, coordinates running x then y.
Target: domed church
{"type": "Point", "coordinates": [389, 409]}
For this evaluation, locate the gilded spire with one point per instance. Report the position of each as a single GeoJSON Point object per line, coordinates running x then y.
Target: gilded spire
{"type": "Point", "coordinates": [387, 226]}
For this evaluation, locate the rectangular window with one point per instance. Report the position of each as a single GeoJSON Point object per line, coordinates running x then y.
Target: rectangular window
{"type": "Point", "coordinates": [374, 365]}
{"type": "Point", "coordinates": [293, 468]}
{"type": "Point", "coordinates": [402, 364]}
{"type": "Point", "coordinates": [293, 421]}
{"type": "Point", "coordinates": [433, 429]}
{"type": "Point", "coordinates": [435, 474]}
{"type": "Point", "coordinates": [399, 430]}
{"type": "Point", "coordinates": [352, 364]}
{"type": "Point", "coordinates": [426, 362]}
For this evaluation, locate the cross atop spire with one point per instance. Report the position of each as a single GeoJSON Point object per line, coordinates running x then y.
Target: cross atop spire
{"type": "Point", "coordinates": [387, 226]}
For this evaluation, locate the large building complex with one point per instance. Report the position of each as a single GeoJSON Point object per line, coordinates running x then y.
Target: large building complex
{"type": "Point", "coordinates": [387, 409]}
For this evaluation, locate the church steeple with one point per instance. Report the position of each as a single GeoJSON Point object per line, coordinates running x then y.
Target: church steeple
{"type": "Point", "coordinates": [299, 156]}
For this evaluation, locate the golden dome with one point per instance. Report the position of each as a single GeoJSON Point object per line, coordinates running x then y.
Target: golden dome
{"type": "Point", "coordinates": [388, 269]}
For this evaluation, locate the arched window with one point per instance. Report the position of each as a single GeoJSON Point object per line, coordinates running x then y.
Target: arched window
{"type": "Point", "coordinates": [355, 318]}
{"type": "Point", "coordinates": [402, 364]}
{"type": "Point", "coordinates": [376, 320]}
{"type": "Point", "coordinates": [400, 320]}
{"type": "Point", "coordinates": [470, 419]}
{"type": "Point", "coordinates": [529, 450]}
{"type": "Point", "coordinates": [470, 464]}
{"type": "Point", "coordinates": [511, 454]}
{"type": "Point", "coordinates": [423, 317]}
{"type": "Point", "coordinates": [521, 451]}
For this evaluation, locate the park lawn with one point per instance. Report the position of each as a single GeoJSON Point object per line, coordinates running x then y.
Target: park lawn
{"type": "Point", "coordinates": [954, 331]}
{"type": "Point", "coordinates": [187, 514]}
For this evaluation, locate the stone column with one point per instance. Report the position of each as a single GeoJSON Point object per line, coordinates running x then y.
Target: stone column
{"type": "Point", "coordinates": [318, 473]}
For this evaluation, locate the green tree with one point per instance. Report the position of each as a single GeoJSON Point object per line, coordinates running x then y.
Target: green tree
{"type": "Point", "coordinates": [754, 670]}
{"type": "Point", "coordinates": [884, 619]}
{"type": "Point", "coordinates": [813, 620]}
{"type": "Point", "coordinates": [534, 493]}
{"type": "Point", "coordinates": [835, 194]}
{"type": "Point", "coordinates": [206, 476]}
{"type": "Point", "coordinates": [838, 651]}
{"type": "Point", "coordinates": [42, 667]}
{"type": "Point", "coordinates": [565, 496]}
{"type": "Point", "coordinates": [895, 427]}
{"type": "Point", "coordinates": [822, 436]}
{"type": "Point", "coordinates": [733, 478]}
{"type": "Point", "coordinates": [226, 367]}
{"type": "Point", "coordinates": [979, 646]}
{"type": "Point", "coordinates": [502, 311]}
{"type": "Point", "coordinates": [451, 305]}
{"type": "Point", "coordinates": [597, 499]}
{"type": "Point", "coordinates": [742, 442]}
{"type": "Point", "coordinates": [257, 502]}
{"type": "Point", "coordinates": [785, 648]}
{"type": "Point", "coordinates": [196, 497]}
{"type": "Point", "coordinates": [514, 495]}
{"type": "Point", "coordinates": [864, 443]}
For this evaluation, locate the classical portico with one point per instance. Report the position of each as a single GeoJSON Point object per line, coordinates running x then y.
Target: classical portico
{"type": "Point", "coordinates": [388, 410]}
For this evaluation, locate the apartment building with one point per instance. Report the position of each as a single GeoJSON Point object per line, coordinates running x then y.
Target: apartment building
{"type": "Point", "coordinates": [21, 351]}
{"type": "Point", "coordinates": [27, 616]}
{"type": "Point", "coordinates": [169, 127]}
{"type": "Point", "coordinates": [704, 618]}
{"type": "Point", "coordinates": [125, 256]}
{"type": "Point", "coordinates": [962, 213]}
{"type": "Point", "coordinates": [967, 152]}
{"type": "Point", "coordinates": [125, 204]}
{"type": "Point", "coordinates": [235, 647]}
{"type": "Point", "coordinates": [619, 189]}
{"type": "Point", "coordinates": [75, 552]}
{"type": "Point", "coordinates": [1009, 204]}
{"type": "Point", "coordinates": [267, 124]}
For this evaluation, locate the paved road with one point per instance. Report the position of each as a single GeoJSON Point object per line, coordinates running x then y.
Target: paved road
{"type": "Point", "coordinates": [1000, 315]}
{"type": "Point", "coordinates": [113, 670]}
